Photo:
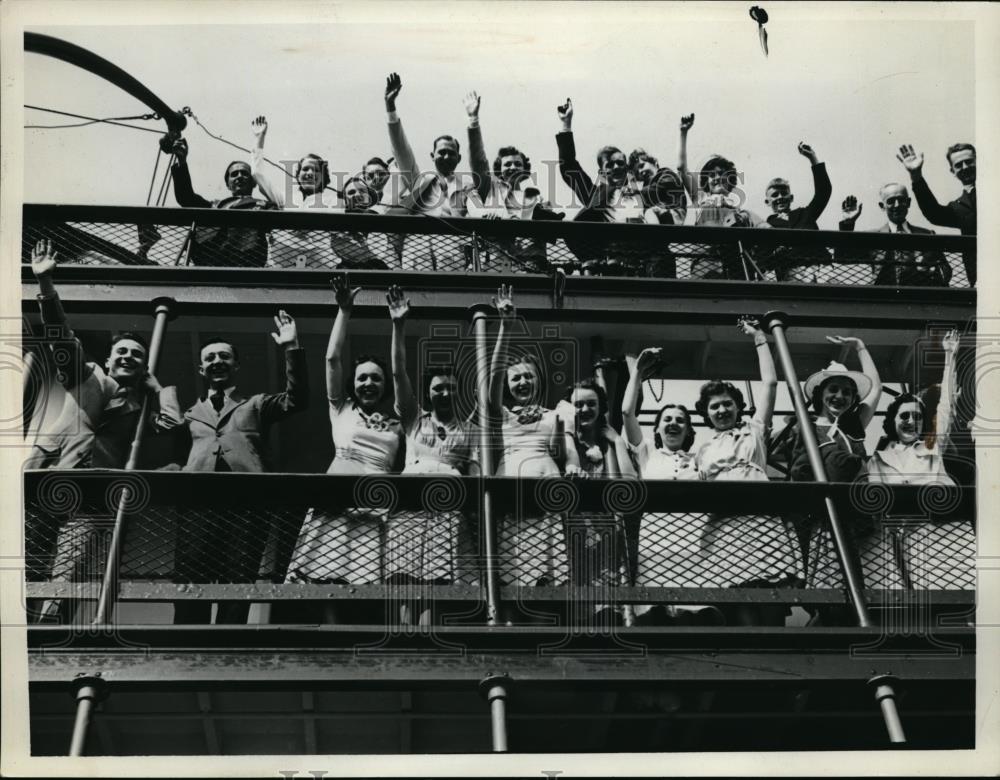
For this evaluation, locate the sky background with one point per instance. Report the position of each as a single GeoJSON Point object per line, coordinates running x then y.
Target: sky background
{"type": "Point", "coordinates": [855, 90]}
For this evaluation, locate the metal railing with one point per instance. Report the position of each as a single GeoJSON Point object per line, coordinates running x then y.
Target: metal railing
{"type": "Point", "coordinates": [166, 237]}
{"type": "Point", "coordinates": [192, 537]}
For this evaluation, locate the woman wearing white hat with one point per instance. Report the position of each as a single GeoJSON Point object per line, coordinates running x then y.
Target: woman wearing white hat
{"type": "Point", "coordinates": [845, 403]}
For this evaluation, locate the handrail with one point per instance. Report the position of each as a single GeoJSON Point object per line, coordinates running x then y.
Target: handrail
{"type": "Point", "coordinates": [92, 486]}
{"type": "Point", "coordinates": [303, 219]}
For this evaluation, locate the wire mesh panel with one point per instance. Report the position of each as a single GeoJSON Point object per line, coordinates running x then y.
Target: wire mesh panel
{"type": "Point", "coordinates": [605, 539]}
{"type": "Point", "coordinates": [283, 240]}
{"type": "Point", "coordinates": [894, 553]}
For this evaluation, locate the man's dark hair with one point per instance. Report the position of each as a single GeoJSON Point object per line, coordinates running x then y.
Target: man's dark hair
{"type": "Point", "coordinates": [127, 334]}
{"type": "Point", "coordinates": [217, 340]}
{"type": "Point", "coordinates": [510, 151]}
{"type": "Point", "coordinates": [450, 139]}
{"type": "Point", "coordinates": [956, 148]}
{"type": "Point", "coordinates": [225, 176]}
{"type": "Point", "coordinates": [606, 153]}
{"type": "Point", "coordinates": [377, 161]}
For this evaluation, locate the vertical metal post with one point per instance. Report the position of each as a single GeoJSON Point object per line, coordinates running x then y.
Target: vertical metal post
{"type": "Point", "coordinates": [185, 251]}
{"type": "Point", "coordinates": [87, 690]}
{"type": "Point", "coordinates": [109, 585]}
{"type": "Point", "coordinates": [886, 697]}
{"type": "Point", "coordinates": [477, 263]}
{"type": "Point", "coordinates": [775, 322]}
{"type": "Point", "coordinates": [479, 313]}
{"type": "Point", "coordinates": [493, 688]}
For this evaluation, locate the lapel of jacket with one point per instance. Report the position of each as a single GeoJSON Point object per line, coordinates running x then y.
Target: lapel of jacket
{"type": "Point", "coordinates": [203, 412]}
{"type": "Point", "coordinates": [968, 200]}
{"type": "Point", "coordinates": [233, 402]}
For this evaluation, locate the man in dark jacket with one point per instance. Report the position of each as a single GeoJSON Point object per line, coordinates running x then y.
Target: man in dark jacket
{"type": "Point", "coordinates": [222, 246]}
{"type": "Point", "coordinates": [900, 267]}
{"type": "Point", "coordinates": [961, 212]}
{"type": "Point", "coordinates": [797, 264]}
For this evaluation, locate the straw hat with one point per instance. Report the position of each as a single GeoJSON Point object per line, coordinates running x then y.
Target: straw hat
{"type": "Point", "coordinates": [862, 382]}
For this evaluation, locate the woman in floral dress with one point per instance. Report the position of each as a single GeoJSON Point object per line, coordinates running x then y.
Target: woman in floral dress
{"type": "Point", "coordinates": [346, 546]}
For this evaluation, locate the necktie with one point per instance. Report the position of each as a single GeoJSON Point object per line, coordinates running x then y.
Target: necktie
{"type": "Point", "coordinates": [218, 400]}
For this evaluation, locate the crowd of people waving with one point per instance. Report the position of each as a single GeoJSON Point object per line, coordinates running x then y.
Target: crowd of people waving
{"type": "Point", "coordinates": [382, 423]}
{"type": "Point", "coordinates": [626, 188]}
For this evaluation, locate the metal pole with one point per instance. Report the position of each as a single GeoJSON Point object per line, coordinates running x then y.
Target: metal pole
{"type": "Point", "coordinates": [185, 250]}
{"type": "Point", "coordinates": [87, 690]}
{"type": "Point", "coordinates": [775, 322]}
{"type": "Point", "coordinates": [479, 313]}
{"type": "Point", "coordinates": [109, 585]}
{"type": "Point", "coordinates": [493, 688]}
{"type": "Point", "coordinates": [886, 697]}
{"type": "Point", "coordinates": [477, 263]}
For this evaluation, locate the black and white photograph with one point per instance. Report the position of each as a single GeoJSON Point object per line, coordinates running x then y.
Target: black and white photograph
{"type": "Point", "coordinates": [517, 389]}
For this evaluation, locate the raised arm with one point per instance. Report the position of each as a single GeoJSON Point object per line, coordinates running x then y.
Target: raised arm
{"type": "Point", "coordinates": [934, 212]}
{"type": "Point", "coordinates": [504, 304]}
{"type": "Point", "coordinates": [638, 367]}
{"type": "Point", "coordinates": [184, 192]}
{"type": "Point", "coordinates": [401, 149]}
{"type": "Point", "coordinates": [477, 149]}
{"type": "Point", "coordinates": [946, 403]}
{"type": "Point", "coordinates": [259, 129]}
{"type": "Point", "coordinates": [570, 170]}
{"type": "Point", "coordinates": [344, 296]}
{"type": "Point", "coordinates": [295, 396]}
{"type": "Point", "coordinates": [870, 402]}
{"type": "Point", "coordinates": [406, 401]}
{"type": "Point", "coordinates": [768, 376]}
{"type": "Point", "coordinates": [74, 368]}
{"type": "Point", "coordinates": [822, 189]}
{"type": "Point", "coordinates": [690, 180]}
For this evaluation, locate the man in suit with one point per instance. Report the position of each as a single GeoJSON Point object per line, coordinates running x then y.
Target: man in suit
{"type": "Point", "coordinates": [961, 212]}
{"type": "Point", "coordinates": [899, 267]}
{"type": "Point", "coordinates": [87, 418]}
{"type": "Point", "coordinates": [229, 433]}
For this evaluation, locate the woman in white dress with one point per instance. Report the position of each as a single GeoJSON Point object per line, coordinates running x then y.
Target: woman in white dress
{"type": "Point", "coordinates": [745, 550]}
{"type": "Point", "coordinates": [928, 555]}
{"type": "Point", "coordinates": [669, 547]}
{"type": "Point", "coordinates": [435, 545]}
{"type": "Point", "coordinates": [532, 550]}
